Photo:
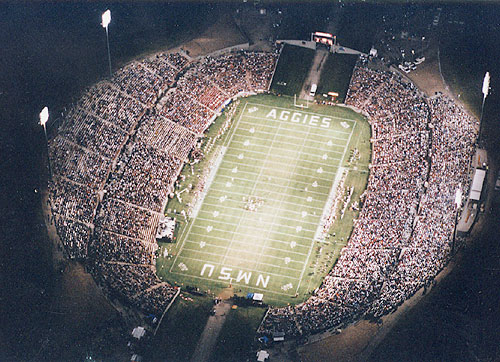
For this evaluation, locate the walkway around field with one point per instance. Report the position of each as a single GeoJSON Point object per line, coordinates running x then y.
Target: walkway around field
{"type": "Point", "coordinates": [314, 73]}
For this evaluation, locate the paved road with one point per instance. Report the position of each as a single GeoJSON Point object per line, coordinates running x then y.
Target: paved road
{"type": "Point", "coordinates": [321, 55]}
{"type": "Point", "coordinates": [314, 73]}
{"type": "Point", "coordinates": [208, 338]}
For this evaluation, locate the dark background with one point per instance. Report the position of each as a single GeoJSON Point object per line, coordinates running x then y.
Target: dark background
{"type": "Point", "coordinates": [50, 52]}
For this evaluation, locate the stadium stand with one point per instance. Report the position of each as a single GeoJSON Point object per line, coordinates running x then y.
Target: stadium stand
{"type": "Point", "coordinates": [119, 151]}
{"type": "Point", "coordinates": [421, 152]}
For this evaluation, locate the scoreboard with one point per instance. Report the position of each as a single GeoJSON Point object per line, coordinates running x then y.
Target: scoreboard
{"type": "Point", "coordinates": [323, 38]}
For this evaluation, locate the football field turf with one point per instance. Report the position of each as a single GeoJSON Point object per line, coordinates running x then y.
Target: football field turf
{"type": "Point", "coordinates": [258, 222]}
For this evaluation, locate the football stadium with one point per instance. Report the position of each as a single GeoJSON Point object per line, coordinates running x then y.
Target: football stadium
{"type": "Point", "coordinates": [306, 180]}
{"type": "Point", "coordinates": [263, 214]}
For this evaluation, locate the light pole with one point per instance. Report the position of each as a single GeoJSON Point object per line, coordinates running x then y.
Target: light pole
{"type": "Point", "coordinates": [106, 19]}
{"type": "Point", "coordinates": [485, 91]}
{"type": "Point", "coordinates": [458, 202]}
{"type": "Point", "coordinates": [44, 117]}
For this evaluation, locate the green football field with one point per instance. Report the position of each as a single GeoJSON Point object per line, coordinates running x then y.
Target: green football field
{"type": "Point", "coordinates": [258, 225]}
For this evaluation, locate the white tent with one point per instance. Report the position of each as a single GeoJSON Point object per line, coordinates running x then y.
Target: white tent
{"type": "Point", "coordinates": [477, 184]}
{"type": "Point", "coordinates": [258, 297]}
{"type": "Point", "coordinates": [262, 356]}
{"type": "Point", "coordinates": [138, 332]}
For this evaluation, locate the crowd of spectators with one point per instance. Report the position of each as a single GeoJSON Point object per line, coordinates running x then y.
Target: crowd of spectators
{"type": "Point", "coordinates": [78, 164]}
{"type": "Point", "coordinates": [118, 152]}
{"type": "Point", "coordinates": [421, 151]}
{"type": "Point", "coordinates": [143, 176]}
{"type": "Point", "coordinates": [107, 102]}
{"type": "Point", "coordinates": [109, 246]}
{"type": "Point", "coordinates": [76, 235]}
{"type": "Point", "coordinates": [125, 142]}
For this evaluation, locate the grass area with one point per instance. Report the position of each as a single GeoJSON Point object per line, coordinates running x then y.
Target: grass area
{"type": "Point", "coordinates": [464, 77]}
{"type": "Point", "coordinates": [180, 330]}
{"type": "Point", "coordinates": [336, 75]}
{"type": "Point", "coordinates": [282, 162]}
{"type": "Point", "coordinates": [357, 26]}
{"type": "Point", "coordinates": [292, 70]}
{"type": "Point", "coordinates": [301, 19]}
{"type": "Point", "coordinates": [191, 171]}
{"type": "Point", "coordinates": [236, 338]}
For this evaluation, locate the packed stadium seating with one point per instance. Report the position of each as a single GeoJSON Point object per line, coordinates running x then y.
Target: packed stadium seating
{"type": "Point", "coordinates": [421, 152]}
{"type": "Point", "coordinates": [119, 151]}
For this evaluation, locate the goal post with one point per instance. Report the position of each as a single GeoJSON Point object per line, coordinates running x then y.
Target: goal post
{"type": "Point", "coordinates": [300, 105]}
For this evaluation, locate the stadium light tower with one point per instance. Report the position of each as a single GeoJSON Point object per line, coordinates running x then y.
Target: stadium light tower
{"type": "Point", "coordinates": [458, 202]}
{"type": "Point", "coordinates": [485, 91]}
{"type": "Point", "coordinates": [106, 19]}
{"type": "Point", "coordinates": [44, 117]}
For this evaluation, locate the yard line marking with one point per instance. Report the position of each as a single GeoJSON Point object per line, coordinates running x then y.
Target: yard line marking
{"type": "Point", "coordinates": [244, 259]}
{"type": "Point", "coordinates": [287, 186]}
{"type": "Point", "coordinates": [320, 134]}
{"type": "Point", "coordinates": [257, 132]}
{"type": "Point", "coordinates": [270, 198]}
{"type": "Point", "coordinates": [288, 109]}
{"type": "Point", "coordinates": [255, 150]}
{"type": "Point", "coordinates": [271, 168]}
{"type": "Point", "coordinates": [251, 193]}
{"type": "Point", "coordinates": [340, 164]}
{"type": "Point", "coordinates": [261, 222]}
{"type": "Point", "coordinates": [282, 149]}
{"type": "Point", "coordinates": [209, 244]}
{"type": "Point", "coordinates": [274, 185]}
{"type": "Point", "coordinates": [258, 136]}
{"type": "Point", "coordinates": [279, 121]}
{"type": "Point", "coordinates": [295, 236]}
{"type": "Point", "coordinates": [278, 160]}
{"type": "Point", "coordinates": [290, 211]}
{"type": "Point", "coordinates": [265, 223]}
{"type": "Point", "coordinates": [193, 220]}
{"type": "Point", "coordinates": [267, 212]}
{"type": "Point", "coordinates": [239, 267]}
{"type": "Point", "coordinates": [234, 283]}
{"type": "Point", "coordinates": [211, 237]}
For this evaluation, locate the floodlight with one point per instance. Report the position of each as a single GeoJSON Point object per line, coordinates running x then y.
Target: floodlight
{"type": "Point", "coordinates": [106, 18]}
{"type": "Point", "coordinates": [486, 84]}
{"type": "Point", "coordinates": [44, 116]}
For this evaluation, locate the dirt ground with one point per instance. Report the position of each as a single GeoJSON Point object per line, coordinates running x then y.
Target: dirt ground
{"type": "Point", "coordinates": [427, 76]}
{"type": "Point", "coordinates": [220, 35]}
{"type": "Point", "coordinates": [208, 338]}
{"type": "Point", "coordinates": [343, 346]}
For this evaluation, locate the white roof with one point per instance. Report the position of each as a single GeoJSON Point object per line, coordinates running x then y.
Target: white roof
{"type": "Point", "coordinates": [258, 296]}
{"type": "Point", "coordinates": [138, 332]}
{"type": "Point", "coordinates": [262, 356]}
{"type": "Point", "coordinates": [477, 184]}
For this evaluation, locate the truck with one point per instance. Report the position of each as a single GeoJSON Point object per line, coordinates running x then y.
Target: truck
{"type": "Point", "coordinates": [314, 87]}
